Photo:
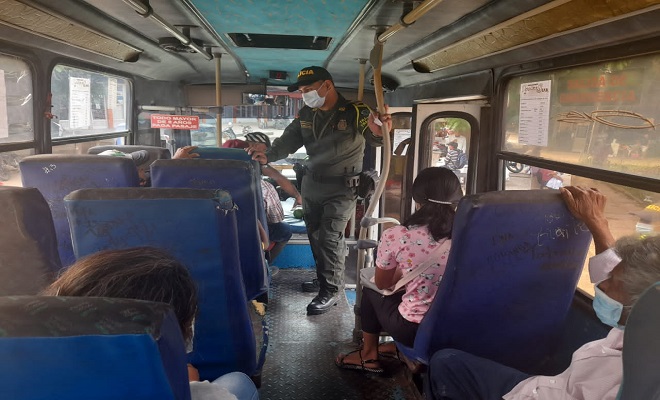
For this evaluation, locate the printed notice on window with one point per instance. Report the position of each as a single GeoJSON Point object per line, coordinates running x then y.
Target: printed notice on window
{"type": "Point", "coordinates": [534, 113]}
{"type": "Point", "coordinates": [80, 103]}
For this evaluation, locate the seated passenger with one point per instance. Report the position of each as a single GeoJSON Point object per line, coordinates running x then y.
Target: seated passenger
{"type": "Point", "coordinates": [147, 273]}
{"type": "Point", "coordinates": [621, 274]}
{"type": "Point", "coordinates": [187, 152]}
{"type": "Point", "coordinates": [279, 231]}
{"type": "Point", "coordinates": [455, 159]}
{"type": "Point", "coordinates": [425, 234]}
{"type": "Point", "coordinates": [140, 158]}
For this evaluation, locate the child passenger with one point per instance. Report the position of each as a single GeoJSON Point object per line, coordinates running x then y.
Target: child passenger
{"type": "Point", "coordinates": [424, 236]}
{"type": "Point", "coordinates": [148, 273]}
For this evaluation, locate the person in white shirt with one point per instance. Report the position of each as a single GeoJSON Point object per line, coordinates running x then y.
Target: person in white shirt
{"type": "Point", "coordinates": [621, 271]}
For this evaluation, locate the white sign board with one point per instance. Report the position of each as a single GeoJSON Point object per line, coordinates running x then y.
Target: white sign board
{"type": "Point", "coordinates": [79, 103]}
{"type": "Point", "coordinates": [534, 113]}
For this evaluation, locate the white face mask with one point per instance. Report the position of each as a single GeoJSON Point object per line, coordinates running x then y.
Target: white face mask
{"type": "Point", "coordinates": [312, 99]}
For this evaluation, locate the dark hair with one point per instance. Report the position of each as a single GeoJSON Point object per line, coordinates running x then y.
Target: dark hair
{"type": "Point", "coordinates": [440, 184]}
{"type": "Point", "coordinates": [142, 273]}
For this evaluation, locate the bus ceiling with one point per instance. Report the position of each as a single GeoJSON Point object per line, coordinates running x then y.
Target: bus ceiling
{"type": "Point", "coordinates": [174, 40]}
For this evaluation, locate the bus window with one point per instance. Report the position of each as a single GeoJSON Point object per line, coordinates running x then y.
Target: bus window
{"type": "Point", "coordinates": [16, 106]}
{"type": "Point", "coordinates": [82, 147]}
{"type": "Point", "coordinates": [450, 146]}
{"type": "Point", "coordinates": [599, 116]}
{"type": "Point", "coordinates": [9, 172]}
{"type": "Point", "coordinates": [88, 103]}
{"type": "Point", "coordinates": [602, 115]}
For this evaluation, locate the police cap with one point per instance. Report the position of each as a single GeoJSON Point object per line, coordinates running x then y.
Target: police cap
{"type": "Point", "coordinates": [309, 75]}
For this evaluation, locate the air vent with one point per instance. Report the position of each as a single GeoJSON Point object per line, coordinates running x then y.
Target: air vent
{"type": "Point", "coordinates": [174, 45]}
{"type": "Point", "coordinates": [280, 41]}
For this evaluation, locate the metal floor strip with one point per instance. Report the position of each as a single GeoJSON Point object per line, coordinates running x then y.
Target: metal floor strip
{"type": "Point", "coordinates": [300, 358]}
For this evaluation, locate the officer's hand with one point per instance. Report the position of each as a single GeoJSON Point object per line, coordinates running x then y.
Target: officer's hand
{"type": "Point", "coordinates": [378, 121]}
{"type": "Point", "coordinates": [298, 202]}
{"type": "Point", "coordinates": [257, 155]}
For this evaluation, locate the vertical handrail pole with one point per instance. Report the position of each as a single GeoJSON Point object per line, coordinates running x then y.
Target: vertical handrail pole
{"type": "Point", "coordinates": [218, 98]}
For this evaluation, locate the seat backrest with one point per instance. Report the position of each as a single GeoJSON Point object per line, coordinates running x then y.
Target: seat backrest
{"type": "Point", "coordinates": [155, 153]}
{"type": "Point", "coordinates": [28, 249]}
{"type": "Point", "coordinates": [198, 227]}
{"type": "Point", "coordinates": [221, 153]}
{"type": "Point", "coordinates": [81, 348]}
{"type": "Point", "coordinates": [512, 271]}
{"type": "Point", "coordinates": [641, 348]}
{"type": "Point", "coordinates": [58, 175]}
{"type": "Point", "coordinates": [236, 177]}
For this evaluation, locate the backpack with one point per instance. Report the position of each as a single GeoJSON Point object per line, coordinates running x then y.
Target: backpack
{"type": "Point", "coordinates": [462, 160]}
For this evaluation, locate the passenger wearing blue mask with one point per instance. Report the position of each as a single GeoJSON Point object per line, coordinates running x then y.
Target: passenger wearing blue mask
{"type": "Point", "coordinates": [621, 271]}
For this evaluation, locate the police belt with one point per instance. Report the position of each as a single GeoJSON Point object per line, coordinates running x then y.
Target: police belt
{"type": "Point", "coordinates": [345, 180]}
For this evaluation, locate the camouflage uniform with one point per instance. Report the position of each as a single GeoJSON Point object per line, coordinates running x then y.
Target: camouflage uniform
{"type": "Point", "coordinates": [335, 141]}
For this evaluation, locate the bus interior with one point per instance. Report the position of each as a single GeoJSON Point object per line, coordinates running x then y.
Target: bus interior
{"type": "Point", "coordinates": [523, 88]}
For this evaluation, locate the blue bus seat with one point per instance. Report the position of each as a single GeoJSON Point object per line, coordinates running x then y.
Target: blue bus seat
{"type": "Point", "coordinates": [29, 259]}
{"type": "Point", "coordinates": [236, 177]}
{"type": "Point", "coordinates": [512, 271]}
{"type": "Point", "coordinates": [58, 175]}
{"type": "Point", "coordinates": [80, 348]}
{"type": "Point", "coordinates": [221, 153]}
{"type": "Point", "coordinates": [198, 227]}
{"type": "Point", "coordinates": [641, 348]}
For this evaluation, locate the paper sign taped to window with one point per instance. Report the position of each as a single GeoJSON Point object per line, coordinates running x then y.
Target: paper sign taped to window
{"type": "Point", "coordinates": [168, 121]}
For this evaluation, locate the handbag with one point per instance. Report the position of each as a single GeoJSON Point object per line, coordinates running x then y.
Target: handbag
{"type": "Point", "coordinates": [367, 275]}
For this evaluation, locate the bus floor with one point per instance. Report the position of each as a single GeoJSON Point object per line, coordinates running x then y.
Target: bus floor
{"type": "Point", "coordinates": [300, 358]}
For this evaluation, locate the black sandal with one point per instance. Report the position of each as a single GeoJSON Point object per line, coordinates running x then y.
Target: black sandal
{"type": "Point", "coordinates": [359, 367]}
{"type": "Point", "coordinates": [394, 356]}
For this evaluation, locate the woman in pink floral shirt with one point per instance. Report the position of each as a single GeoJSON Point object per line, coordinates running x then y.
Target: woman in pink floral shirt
{"type": "Point", "coordinates": [436, 192]}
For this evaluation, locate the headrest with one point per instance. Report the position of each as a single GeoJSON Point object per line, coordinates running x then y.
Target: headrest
{"type": "Point", "coordinates": [90, 347]}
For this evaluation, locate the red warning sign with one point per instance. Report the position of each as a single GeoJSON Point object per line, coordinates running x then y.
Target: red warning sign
{"type": "Point", "coordinates": [167, 121]}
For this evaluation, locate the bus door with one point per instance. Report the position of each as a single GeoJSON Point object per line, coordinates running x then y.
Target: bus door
{"type": "Point", "coordinates": [401, 137]}
{"type": "Point", "coordinates": [446, 134]}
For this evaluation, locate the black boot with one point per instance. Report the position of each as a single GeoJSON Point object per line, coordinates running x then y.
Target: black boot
{"type": "Point", "coordinates": [311, 286]}
{"type": "Point", "coordinates": [322, 303]}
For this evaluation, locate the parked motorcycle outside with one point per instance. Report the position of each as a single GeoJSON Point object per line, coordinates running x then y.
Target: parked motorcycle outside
{"type": "Point", "coordinates": [514, 167]}
{"type": "Point", "coordinates": [228, 133]}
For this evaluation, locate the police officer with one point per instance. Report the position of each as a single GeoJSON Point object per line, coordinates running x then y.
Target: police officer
{"type": "Point", "coordinates": [334, 132]}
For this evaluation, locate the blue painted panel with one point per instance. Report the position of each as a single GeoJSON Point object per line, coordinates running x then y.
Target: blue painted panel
{"type": "Point", "coordinates": [281, 17]}
{"type": "Point", "coordinates": [295, 256]}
